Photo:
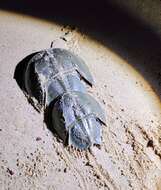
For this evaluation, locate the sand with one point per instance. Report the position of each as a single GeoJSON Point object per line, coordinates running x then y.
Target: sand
{"type": "Point", "coordinates": [31, 157]}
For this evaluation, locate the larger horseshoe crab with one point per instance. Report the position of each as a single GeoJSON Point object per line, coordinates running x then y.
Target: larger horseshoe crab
{"type": "Point", "coordinates": [57, 77]}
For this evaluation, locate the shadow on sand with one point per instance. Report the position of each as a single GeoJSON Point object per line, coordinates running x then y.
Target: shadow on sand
{"type": "Point", "coordinates": [125, 35]}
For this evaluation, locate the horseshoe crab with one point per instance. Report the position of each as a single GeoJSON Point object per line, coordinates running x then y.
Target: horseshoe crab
{"type": "Point", "coordinates": [57, 77]}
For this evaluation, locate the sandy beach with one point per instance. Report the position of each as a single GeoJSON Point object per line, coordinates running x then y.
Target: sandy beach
{"type": "Point", "coordinates": [31, 157]}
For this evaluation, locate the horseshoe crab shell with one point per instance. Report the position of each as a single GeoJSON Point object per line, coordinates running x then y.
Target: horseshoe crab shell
{"type": "Point", "coordinates": [52, 72]}
{"type": "Point", "coordinates": [78, 117]}
{"type": "Point", "coordinates": [57, 77]}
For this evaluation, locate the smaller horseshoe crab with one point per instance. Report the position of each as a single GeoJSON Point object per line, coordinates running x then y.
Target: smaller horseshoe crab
{"type": "Point", "coordinates": [77, 118]}
{"type": "Point", "coordinates": [57, 77]}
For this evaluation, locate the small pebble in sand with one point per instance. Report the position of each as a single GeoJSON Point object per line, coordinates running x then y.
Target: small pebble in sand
{"type": "Point", "coordinates": [10, 171]}
{"type": "Point", "coordinates": [38, 138]}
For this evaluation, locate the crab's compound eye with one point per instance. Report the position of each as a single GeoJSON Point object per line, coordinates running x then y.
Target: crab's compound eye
{"type": "Point", "coordinates": [78, 136]}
